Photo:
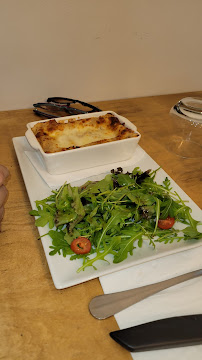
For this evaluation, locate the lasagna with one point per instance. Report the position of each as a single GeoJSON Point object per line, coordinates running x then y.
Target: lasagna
{"type": "Point", "coordinates": [55, 136]}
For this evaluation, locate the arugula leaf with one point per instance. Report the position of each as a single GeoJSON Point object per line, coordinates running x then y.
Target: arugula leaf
{"type": "Point", "coordinates": [69, 207]}
{"type": "Point", "coordinates": [101, 255]}
{"type": "Point", "coordinates": [127, 246]}
{"type": "Point", "coordinates": [116, 218]}
{"type": "Point", "coordinates": [65, 217]}
{"type": "Point", "coordinates": [59, 243]}
{"type": "Point", "coordinates": [63, 199]}
{"type": "Point", "coordinates": [45, 216]}
{"type": "Point", "coordinates": [158, 207]}
{"type": "Point", "coordinates": [166, 184]}
{"type": "Point", "coordinates": [166, 207]}
{"type": "Point", "coordinates": [124, 179]}
{"type": "Point", "coordinates": [191, 233]}
{"type": "Point", "coordinates": [34, 212]}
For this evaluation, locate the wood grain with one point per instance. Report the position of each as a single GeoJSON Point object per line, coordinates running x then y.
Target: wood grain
{"type": "Point", "coordinates": [36, 320]}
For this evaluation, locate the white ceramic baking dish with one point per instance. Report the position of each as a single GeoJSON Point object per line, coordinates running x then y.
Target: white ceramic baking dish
{"type": "Point", "coordinates": [89, 156]}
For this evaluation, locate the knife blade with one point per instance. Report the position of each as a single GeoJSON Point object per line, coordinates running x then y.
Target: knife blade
{"type": "Point", "coordinates": [161, 334]}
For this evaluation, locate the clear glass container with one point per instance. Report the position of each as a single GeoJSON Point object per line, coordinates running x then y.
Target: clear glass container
{"type": "Point", "coordinates": [186, 138]}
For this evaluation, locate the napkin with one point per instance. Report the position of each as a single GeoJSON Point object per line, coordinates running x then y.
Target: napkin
{"type": "Point", "coordinates": [53, 181]}
{"type": "Point", "coordinates": [179, 300]}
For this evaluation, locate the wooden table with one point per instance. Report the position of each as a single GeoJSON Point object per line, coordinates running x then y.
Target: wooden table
{"type": "Point", "coordinates": [36, 320]}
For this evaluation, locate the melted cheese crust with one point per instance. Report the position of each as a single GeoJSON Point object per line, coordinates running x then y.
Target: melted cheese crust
{"type": "Point", "coordinates": [58, 136]}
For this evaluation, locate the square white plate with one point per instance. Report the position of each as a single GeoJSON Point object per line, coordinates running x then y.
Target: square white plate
{"type": "Point", "coordinates": [62, 270]}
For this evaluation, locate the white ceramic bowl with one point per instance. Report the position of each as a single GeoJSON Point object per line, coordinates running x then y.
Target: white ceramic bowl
{"type": "Point", "coordinates": [89, 156]}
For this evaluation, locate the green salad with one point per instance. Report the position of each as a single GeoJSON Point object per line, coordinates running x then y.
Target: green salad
{"type": "Point", "coordinates": [114, 216]}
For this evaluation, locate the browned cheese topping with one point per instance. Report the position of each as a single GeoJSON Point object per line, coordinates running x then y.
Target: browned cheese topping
{"type": "Point", "coordinates": [58, 136]}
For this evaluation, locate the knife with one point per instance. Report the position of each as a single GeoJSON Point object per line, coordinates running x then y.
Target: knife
{"type": "Point", "coordinates": [161, 334]}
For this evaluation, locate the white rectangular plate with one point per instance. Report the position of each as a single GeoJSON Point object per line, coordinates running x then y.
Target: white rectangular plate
{"type": "Point", "coordinates": [64, 272]}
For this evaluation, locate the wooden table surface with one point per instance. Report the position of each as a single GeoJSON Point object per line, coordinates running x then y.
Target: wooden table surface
{"type": "Point", "coordinates": [37, 321]}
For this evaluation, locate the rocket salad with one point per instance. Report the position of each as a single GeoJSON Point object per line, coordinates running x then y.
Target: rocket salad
{"type": "Point", "coordinates": [114, 216]}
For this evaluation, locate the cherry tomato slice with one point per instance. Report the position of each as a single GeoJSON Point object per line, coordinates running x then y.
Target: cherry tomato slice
{"type": "Point", "coordinates": [81, 245]}
{"type": "Point", "coordinates": [166, 223]}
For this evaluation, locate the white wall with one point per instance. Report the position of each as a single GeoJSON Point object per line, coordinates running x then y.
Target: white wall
{"type": "Point", "coordinates": [98, 49]}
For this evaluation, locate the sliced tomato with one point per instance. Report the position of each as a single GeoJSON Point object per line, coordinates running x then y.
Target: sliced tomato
{"type": "Point", "coordinates": [81, 245]}
{"type": "Point", "coordinates": [166, 223]}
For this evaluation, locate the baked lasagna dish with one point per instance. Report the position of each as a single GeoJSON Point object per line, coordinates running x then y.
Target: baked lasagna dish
{"type": "Point", "coordinates": [55, 136]}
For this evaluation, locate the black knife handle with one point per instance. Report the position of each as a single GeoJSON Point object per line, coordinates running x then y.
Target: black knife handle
{"type": "Point", "coordinates": [161, 334]}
